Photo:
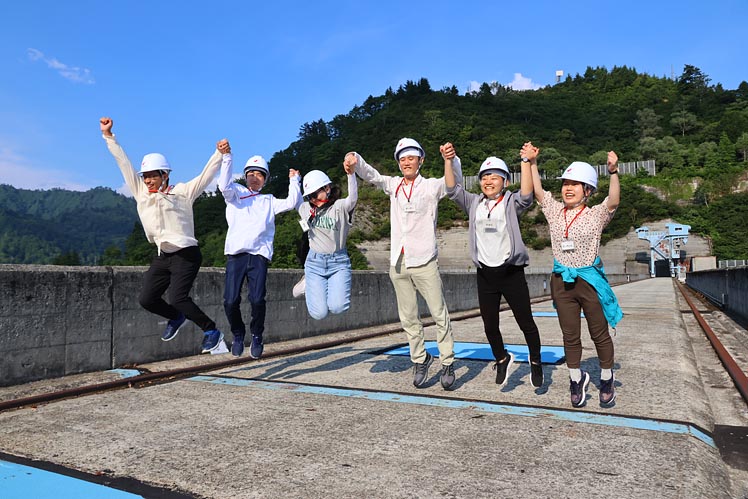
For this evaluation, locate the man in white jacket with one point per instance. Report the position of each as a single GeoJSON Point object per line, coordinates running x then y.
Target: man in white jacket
{"type": "Point", "coordinates": [249, 244]}
{"type": "Point", "coordinates": [413, 265]}
{"type": "Point", "coordinates": [166, 214]}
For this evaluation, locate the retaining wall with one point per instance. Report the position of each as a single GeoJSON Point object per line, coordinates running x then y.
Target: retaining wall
{"type": "Point", "coordinates": [62, 320]}
{"type": "Point", "coordinates": [728, 287]}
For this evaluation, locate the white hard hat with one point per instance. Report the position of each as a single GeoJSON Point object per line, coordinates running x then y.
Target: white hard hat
{"type": "Point", "coordinates": [410, 147]}
{"type": "Point", "coordinates": [257, 163]}
{"type": "Point", "coordinates": [580, 171]}
{"type": "Point", "coordinates": [494, 163]}
{"type": "Point", "coordinates": [154, 162]}
{"type": "Point", "coordinates": [315, 180]}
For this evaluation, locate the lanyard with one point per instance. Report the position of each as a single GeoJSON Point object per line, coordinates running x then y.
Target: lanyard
{"type": "Point", "coordinates": [494, 205]}
{"type": "Point", "coordinates": [313, 209]}
{"type": "Point", "coordinates": [566, 231]}
{"type": "Point", "coordinates": [249, 196]}
{"type": "Point", "coordinates": [407, 196]}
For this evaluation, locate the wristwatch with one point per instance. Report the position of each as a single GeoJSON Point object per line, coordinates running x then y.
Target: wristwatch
{"type": "Point", "coordinates": [525, 160]}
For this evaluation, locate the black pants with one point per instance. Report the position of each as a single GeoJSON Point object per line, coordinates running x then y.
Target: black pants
{"type": "Point", "coordinates": [175, 271]}
{"type": "Point", "coordinates": [507, 281]}
{"type": "Point", "coordinates": [253, 269]}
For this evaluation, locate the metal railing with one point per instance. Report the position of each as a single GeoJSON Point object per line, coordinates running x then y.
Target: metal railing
{"type": "Point", "coordinates": [730, 264]}
{"type": "Point", "coordinates": [630, 168]}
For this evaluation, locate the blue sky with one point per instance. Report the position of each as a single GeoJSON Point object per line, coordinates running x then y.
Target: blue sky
{"type": "Point", "coordinates": [176, 76]}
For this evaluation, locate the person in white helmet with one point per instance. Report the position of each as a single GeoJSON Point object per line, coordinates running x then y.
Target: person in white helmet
{"type": "Point", "coordinates": [413, 252]}
{"type": "Point", "coordinates": [326, 220]}
{"type": "Point", "coordinates": [249, 245]}
{"type": "Point", "coordinates": [165, 211]}
{"type": "Point", "coordinates": [578, 282]}
{"type": "Point", "coordinates": [499, 255]}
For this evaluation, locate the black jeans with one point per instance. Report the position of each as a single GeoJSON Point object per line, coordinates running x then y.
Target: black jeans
{"type": "Point", "coordinates": [175, 271]}
{"type": "Point", "coordinates": [507, 281]}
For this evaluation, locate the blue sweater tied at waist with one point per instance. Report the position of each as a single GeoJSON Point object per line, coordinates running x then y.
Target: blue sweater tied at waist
{"type": "Point", "coordinates": [595, 277]}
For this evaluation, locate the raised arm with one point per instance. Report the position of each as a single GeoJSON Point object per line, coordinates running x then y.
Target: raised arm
{"type": "Point", "coordinates": [448, 153]}
{"type": "Point", "coordinates": [294, 194]}
{"type": "Point", "coordinates": [349, 165]}
{"type": "Point", "coordinates": [131, 177]}
{"type": "Point", "coordinates": [614, 192]}
{"type": "Point", "coordinates": [530, 152]}
{"type": "Point", "coordinates": [370, 174]}
{"type": "Point", "coordinates": [226, 183]}
{"type": "Point", "coordinates": [197, 185]}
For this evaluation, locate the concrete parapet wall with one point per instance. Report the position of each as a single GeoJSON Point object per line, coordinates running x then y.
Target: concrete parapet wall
{"type": "Point", "coordinates": [729, 287]}
{"type": "Point", "coordinates": [63, 320]}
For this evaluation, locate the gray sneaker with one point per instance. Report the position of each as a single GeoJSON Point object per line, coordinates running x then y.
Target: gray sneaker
{"type": "Point", "coordinates": [421, 371]}
{"type": "Point", "coordinates": [448, 377]}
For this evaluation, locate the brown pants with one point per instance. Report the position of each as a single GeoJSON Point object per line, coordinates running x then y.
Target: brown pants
{"type": "Point", "coordinates": [570, 298]}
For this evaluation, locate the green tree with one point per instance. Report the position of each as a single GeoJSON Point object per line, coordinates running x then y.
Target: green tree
{"type": "Point", "coordinates": [683, 121]}
{"type": "Point", "coordinates": [741, 145]}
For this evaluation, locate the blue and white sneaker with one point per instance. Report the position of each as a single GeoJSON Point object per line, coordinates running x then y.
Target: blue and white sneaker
{"type": "Point", "coordinates": [211, 340]}
{"type": "Point", "coordinates": [172, 327]}
{"type": "Point", "coordinates": [256, 348]}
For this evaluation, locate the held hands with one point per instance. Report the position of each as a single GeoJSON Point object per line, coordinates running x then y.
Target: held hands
{"type": "Point", "coordinates": [530, 152]}
{"type": "Point", "coordinates": [612, 162]}
{"type": "Point", "coordinates": [293, 173]}
{"type": "Point", "coordinates": [448, 151]}
{"type": "Point", "coordinates": [106, 123]}
{"type": "Point", "coordinates": [223, 146]}
{"type": "Point", "coordinates": [349, 163]}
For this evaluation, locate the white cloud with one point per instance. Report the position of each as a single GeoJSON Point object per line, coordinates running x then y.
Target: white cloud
{"type": "Point", "coordinates": [17, 171]}
{"type": "Point", "coordinates": [124, 190]}
{"type": "Point", "coordinates": [522, 83]}
{"type": "Point", "coordinates": [72, 73]}
{"type": "Point", "coordinates": [473, 86]}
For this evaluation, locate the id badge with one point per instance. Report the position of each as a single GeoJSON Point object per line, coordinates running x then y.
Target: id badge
{"type": "Point", "coordinates": [567, 245]}
{"type": "Point", "coordinates": [489, 226]}
{"type": "Point", "coordinates": [304, 225]}
{"type": "Point", "coordinates": [410, 208]}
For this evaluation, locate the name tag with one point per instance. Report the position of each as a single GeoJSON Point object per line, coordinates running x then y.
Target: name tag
{"type": "Point", "coordinates": [567, 245]}
{"type": "Point", "coordinates": [304, 225]}
{"type": "Point", "coordinates": [490, 226]}
{"type": "Point", "coordinates": [409, 208]}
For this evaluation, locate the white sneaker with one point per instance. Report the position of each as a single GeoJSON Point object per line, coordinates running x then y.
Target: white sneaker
{"type": "Point", "coordinates": [300, 288]}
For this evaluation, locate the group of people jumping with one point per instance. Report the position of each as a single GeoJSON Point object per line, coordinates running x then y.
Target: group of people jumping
{"type": "Point", "coordinates": [578, 281]}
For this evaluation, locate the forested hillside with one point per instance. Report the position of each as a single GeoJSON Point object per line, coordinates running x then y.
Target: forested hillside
{"type": "Point", "coordinates": [59, 226]}
{"type": "Point", "coordinates": [695, 130]}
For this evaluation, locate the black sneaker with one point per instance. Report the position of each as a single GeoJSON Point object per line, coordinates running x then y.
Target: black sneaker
{"type": "Point", "coordinates": [448, 377]}
{"type": "Point", "coordinates": [536, 374]}
{"type": "Point", "coordinates": [211, 339]}
{"type": "Point", "coordinates": [256, 348]}
{"type": "Point", "coordinates": [579, 390]}
{"type": "Point", "coordinates": [502, 368]}
{"type": "Point", "coordinates": [421, 371]}
{"type": "Point", "coordinates": [237, 347]}
{"type": "Point", "coordinates": [607, 390]}
{"type": "Point", "coordinates": [172, 327]}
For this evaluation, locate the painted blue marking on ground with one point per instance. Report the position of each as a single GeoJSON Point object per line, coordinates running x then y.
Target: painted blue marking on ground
{"type": "Point", "coordinates": [489, 407]}
{"type": "Point", "coordinates": [482, 351]}
{"type": "Point", "coordinates": [22, 482]}
{"type": "Point", "coordinates": [550, 314]}
{"type": "Point", "coordinates": [125, 373]}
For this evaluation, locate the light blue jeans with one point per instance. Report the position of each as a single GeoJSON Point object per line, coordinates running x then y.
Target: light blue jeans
{"type": "Point", "coordinates": [328, 283]}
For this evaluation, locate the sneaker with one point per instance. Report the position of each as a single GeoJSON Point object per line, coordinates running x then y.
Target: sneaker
{"type": "Point", "coordinates": [299, 288]}
{"type": "Point", "coordinates": [607, 390]}
{"type": "Point", "coordinates": [502, 368]}
{"type": "Point", "coordinates": [211, 340]}
{"type": "Point", "coordinates": [448, 377]}
{"type": "Point", "coordinates": [256, 348]}
{"type": "Point", "coordinates": [172, 327]}
{"type": "Point", "coordinates": [536, 374]}
{"type": "Point", "coordinates": [421, 371]}
{"type": "Point", "coordinates": [579, 390]}
{"type": "Point", "coordinates": [237, 347]}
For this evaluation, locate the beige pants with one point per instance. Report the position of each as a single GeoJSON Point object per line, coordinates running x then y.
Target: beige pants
{"type": "Point", "coordinates": [426, 280]}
